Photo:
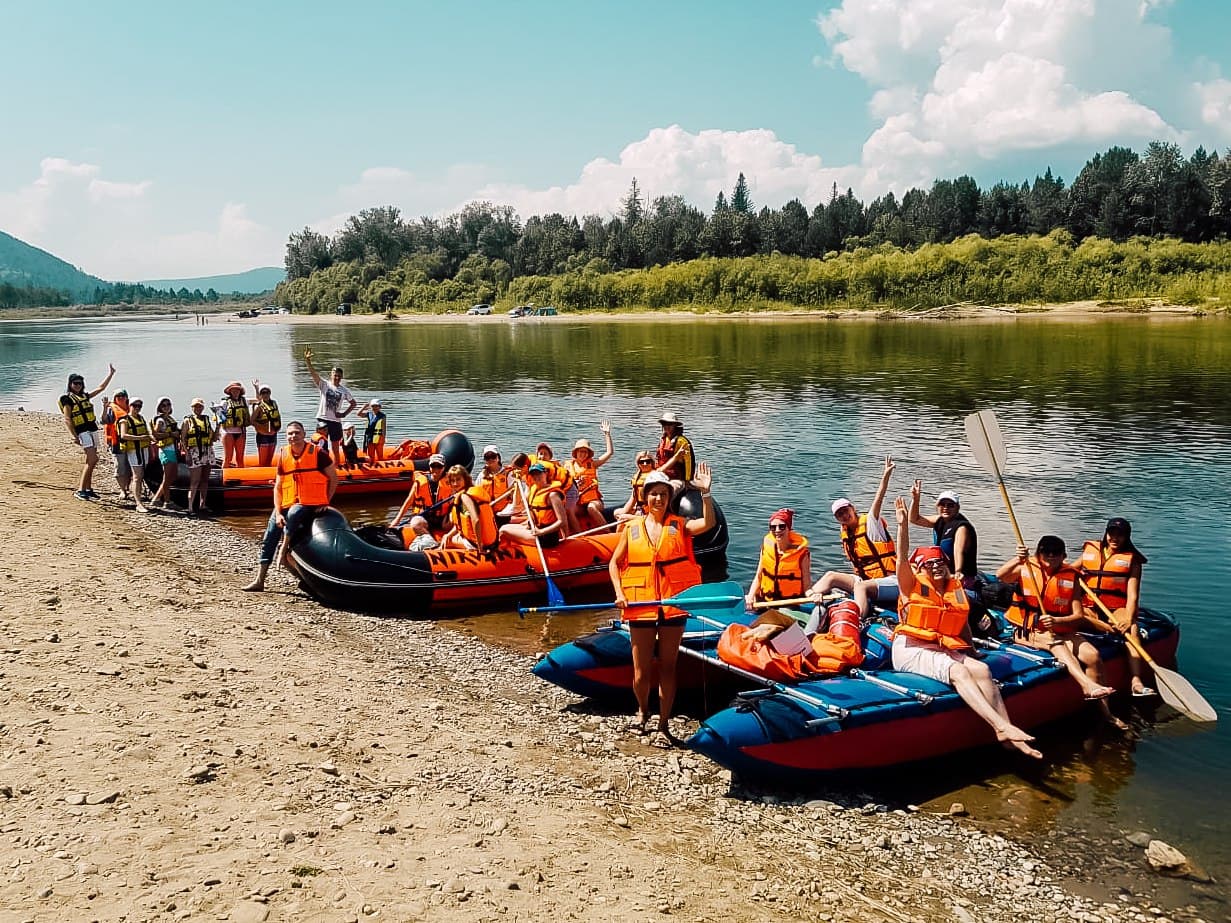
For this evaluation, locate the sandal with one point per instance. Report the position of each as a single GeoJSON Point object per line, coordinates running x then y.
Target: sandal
{"type": "Point", "coordinates": [1143, 693]}
{"type": "Point", "coordinates": [662, 740]}
{"type": "Point", "coordinates": [637, 725]}
{"type": "Point", "coordinates": [1100, 692]}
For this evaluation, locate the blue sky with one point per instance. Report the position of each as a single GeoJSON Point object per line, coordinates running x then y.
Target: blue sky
{"type": "Point", "coordinates": [151, 140]}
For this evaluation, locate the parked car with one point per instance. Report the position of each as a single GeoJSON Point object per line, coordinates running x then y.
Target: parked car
{"type": "Point", "coordinates": [270, 309]}
{"type": "Point", "coordinates": [344, 309]}
{"type": "Point", "coordinates": [522, 310]}
{"type": "Point", "coordinates": [482, 309]}
{"type": "Point", "coordinates": [284, 310]}
{"type": "Point", "coordinates": [247, 313]}
{"type": "Point", "coordinates": [545, 311]}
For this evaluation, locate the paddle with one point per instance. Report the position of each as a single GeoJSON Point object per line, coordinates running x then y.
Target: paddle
{"type": "Point", "coordinates": [796, 601]}
{"type": "Point", "coordinates": [409, 516]}
{"type": "Point", "coordinates": [702, 596]}
{"type": "Point", "coordinates": [1175, 690]}
{"type": "Point", "coordinates": [554, 597]}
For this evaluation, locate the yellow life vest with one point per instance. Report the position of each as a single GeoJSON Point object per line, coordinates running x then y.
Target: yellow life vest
{"type": "Point", "coordinates": [80, 411]}
{"type": "Point", "coordinates": [170, 432]}
{"type": "Point", "coordinates": [136, 426]}
{"type": "Point", "coordinates": [200, 433]}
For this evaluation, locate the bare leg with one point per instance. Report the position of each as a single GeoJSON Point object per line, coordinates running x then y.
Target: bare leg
{"type": "Point", "coordinates": [138, 484]}
{"type": "Point", "coordinates": [862, 588]}
{"type": "Point", "coordinates": [339, 457]}
{"type": "Point", "coordinates": [1090, 687]}
{"type": "Point", "coordinates": [669, 638]}
{"type": "Point", "coordinates": [1087, 654]}
{"type": "Point", "coordinates": [643, 668]}
{"type": "Point", "coordinates": [835, 580]}
{"type": "Point", "coordinates": [240, 442]}
{"type": "Point", "coordinates": [87, 474]}
{"type": "Point", "coordinates": [973, 682]}
{"type": "Point", "coordinates": [258, 584]}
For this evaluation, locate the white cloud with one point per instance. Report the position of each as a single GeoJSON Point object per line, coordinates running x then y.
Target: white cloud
{"type": "Point", "coordinates": [1215, 101]}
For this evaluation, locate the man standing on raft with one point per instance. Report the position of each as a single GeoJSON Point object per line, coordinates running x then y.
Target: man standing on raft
{"type": "Point", "coordinates": [933, 635]}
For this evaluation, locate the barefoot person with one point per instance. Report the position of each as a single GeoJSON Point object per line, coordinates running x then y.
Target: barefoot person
{"type": "Point", "coordinates": [77, 405]}
{"type": "Point", "coordinates": [654, 560]}
{"type": "Point", "coordinates": [933, 634]}
{"type": "Point", "coordinates": [1047, 614]}
{"type": "Point", "coordinates": [546, 516]}
{"type": "Point", "coordinates": [584, 468]}
{"type": "Point", "coordinates": [1111, 568]}
{"type": "Point", "coordinates": [236, 418]}
{"type": "Point", "coordinates": [336, 403]}
{"type": "Point", "coordinates": [304, 482]}
{"type": "Point", "coordinates": [867, 545]}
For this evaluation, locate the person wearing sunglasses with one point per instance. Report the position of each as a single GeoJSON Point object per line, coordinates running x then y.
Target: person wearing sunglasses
{"type": "Point", "coordinates": [785, 568]}
{"type": "Point", "coordinates": [77, 405]}
{"type": "Point", "coordinates": [933, 634]}
{"type": "Point", "coordinates": [635, 504]}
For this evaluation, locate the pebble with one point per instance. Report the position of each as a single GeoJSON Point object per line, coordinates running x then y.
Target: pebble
{"type": "Point", "coordinates": [620, 821]}
{"type": "Point", "coordinates": [249, 912]}
{"type": "Point", "coordinates": [957, 809]}
{"type": "Point", "coordinates": [328, 768]}
{"type": "Point", "coordinates": [1165, 858]}
{"type": "Point", "coordinates": [1140, 839]}
{"type": "Point", "coordinates": [200, 773]}
{"type": "Point", "coordinates": [342, 820]}
{"type": "Point", "coordinates": [75, 798]}
{"type": "Point", "coordinates": [286, 835]}
{"type": "Point", "coordinates": [103, 797]}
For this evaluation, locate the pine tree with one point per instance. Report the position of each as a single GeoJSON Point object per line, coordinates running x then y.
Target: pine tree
{"type": "Point", "coordinates": [632, 206]}
{"type": "Point", "coordinates": [741, 201]}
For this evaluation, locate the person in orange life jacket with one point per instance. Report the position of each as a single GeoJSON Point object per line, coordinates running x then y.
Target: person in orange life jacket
{"type": "Point", "coordinates": [236, 417]}
{"type": "Point", "coordinates": [1111, 567]}
{"type": "Point", "coordinates": [266, 422]}
{"type": "Point", "coordinates": [304, 482]}
{"type": "Point", "coordinates": [426, 493]}
{"type": "Point", "coordinates": [933, 637]}
{"type": "Point", "coordinates": [654, 560]}
{"type": "Point", "coordinates": [784, 570]}
{"type": "Point", "coordinates": [78, 408]}
{"type": "Point", "coordinates": [675, 457]}
{"type": "Point", "coordinates": [135, 440]}
{"type": "Point", "coordinates": [562, 476]}
{"type": "Point", "coordinates": [472, 522]}
{"type": "Point", "coordinates": [320, 436]}
{"type": "Point", "coordinates": [519, 474]}
{"type": "Point", "coordinates": [951, 532]}
{"type": "Point", "coordinates": [374, 434]}
{"type": "Point", "coordinates": [869, 548]}
{"type": "Point", "coordinates": [635, 504]}
{"type": "Point", "coordinates": [112, 412]}
{"type": "Point", "coordinates": [1052, 623]}
{"type": "Point", "coordinates": [494, 478]}
{"type": "Point", "coordinates": [584, 468]}
{"type": "Point", "coordinates": [547, 518]}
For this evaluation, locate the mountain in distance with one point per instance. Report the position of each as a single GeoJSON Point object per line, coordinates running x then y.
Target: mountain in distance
{"type": "Point", "coordinates": [23, 265]}
{"type": "Point", "coordinates": [252, 282]}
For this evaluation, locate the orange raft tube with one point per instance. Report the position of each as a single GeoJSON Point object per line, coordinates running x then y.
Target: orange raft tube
{"type": "Point", "coordinates": [251, 487]}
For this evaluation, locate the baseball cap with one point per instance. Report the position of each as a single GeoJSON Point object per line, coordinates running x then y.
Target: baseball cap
{"type": "Point", "coordinates": [1119, 524]}
{"type": "Point", "coordinates": [840, 503]}
{"type": "Point", "coordinates": [436, 459]}
{"type": "Point", "coordinates": [949, 495]}
{"type": "Point", "coordinates": [537, 468]}
{"type": "Point", "coordinates": [490, 450]}
{"type": "Point", "coordinates": [375, 402]}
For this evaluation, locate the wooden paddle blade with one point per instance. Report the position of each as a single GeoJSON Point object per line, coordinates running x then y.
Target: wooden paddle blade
{"type": "Point", "coordinates": [983, 435]}
{"type": "Point", "coordinates": [1181, 695]}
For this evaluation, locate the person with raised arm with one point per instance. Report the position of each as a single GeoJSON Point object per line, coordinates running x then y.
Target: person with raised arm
{"type": "Point", "coordinates": [77, 405]}
{"type": "Point", "coordinates": [584, 468]}
{"type": "Point", "coordinates": [336, 403]}
{"type": "Point", "coordinates": [266, 421]}
{"type": "Point", "coordinates": [933, 634]}
{"type": "Point", "coordinates": [952, 532]}
{"type": "Point", "coordinates": [868, 546]}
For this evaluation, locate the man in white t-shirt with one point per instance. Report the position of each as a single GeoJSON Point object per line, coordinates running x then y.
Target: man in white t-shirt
{"type": "Point", "coordinates": [336, 403]}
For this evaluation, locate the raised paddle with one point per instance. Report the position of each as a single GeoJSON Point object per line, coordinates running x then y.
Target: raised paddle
{"type": "Point", "coordinates": [554, 596]}
{"type": "Point", "coordinates": [702, 596]}
{"type": "Point", "coordinates": [1175, 690]}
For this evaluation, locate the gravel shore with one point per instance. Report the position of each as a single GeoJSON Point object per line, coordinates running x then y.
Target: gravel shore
{"type": "Point", "coordinates": [174, 748]}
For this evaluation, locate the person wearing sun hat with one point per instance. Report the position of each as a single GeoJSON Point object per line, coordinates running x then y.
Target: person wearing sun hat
{"type": "Point", "coordinates": [784, 570]}
{"type": "Point", "coordinates": [675, 457]}
{"type": "Point", "coordinates": [952, 532]}
{"type": "Point", "coordinates": [374, 434]}
{"type": "Point", "coordinates": [236, 418]}
{"type": "Point", "coordinates": [197, 434]}
{"type": "Point", "coordinates": [584, 468]}
{"type": "Point", "coordinates": [1111, 567]}
{"type": "Point", "coordinates": [426, 497]}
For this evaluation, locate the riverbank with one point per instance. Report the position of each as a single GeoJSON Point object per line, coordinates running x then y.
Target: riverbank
{"type": "Point", "coordinates": [174, 747]}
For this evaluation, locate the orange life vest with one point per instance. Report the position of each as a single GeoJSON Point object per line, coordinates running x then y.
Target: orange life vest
{"type": "Point", "coordinates": [481, 534]}
{"type": "Point", "coordinates": [586, 477]}
{"type": "Point", "coordinates": [871, 560]}
{"type": "Point", "coordinates": [496, 483]}
{"type": "Point", "coordinates": [830, 653]}
{"type": "Point", "coordinates": [557, 473]}
{"type": "Point", "coordinates": [658, 572]}
{"type": "Point", "coordinates": [540, 504]}
{"type": "Point", "coordinates": [423, 497]}
{"type": "Point", "coordinates": [1058, 590]}
{"type": "Point", "coordinates": [111, 431]}
{"type": "Point", "coordinates": [1107, 574]}
{"type": "Point", "coordinates": [934, 614]}
{"type": "Point", "coordinates": [302, 480]}
{"type": "Point", "coordinates": [782, 573]}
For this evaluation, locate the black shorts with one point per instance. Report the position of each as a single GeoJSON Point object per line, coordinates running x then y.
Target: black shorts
{"type": "Point", "coordinates": [675, 621]}
{"type": "Point", "coordinates": [334, 427]}
{"type": "Point", "coordinates": [262, 439]}
{"type": "Point", "coordinates": [550, 540]}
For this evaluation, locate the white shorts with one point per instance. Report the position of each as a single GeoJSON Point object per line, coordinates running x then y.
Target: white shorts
{"type": "Point", "coordinates": [137, 457]}
{"type": "Point", "coordinates": [89, 440]}
{"type": "Point", "coordinates": [910, 655]}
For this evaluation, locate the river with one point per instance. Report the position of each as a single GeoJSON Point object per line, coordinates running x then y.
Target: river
{"type": "Point", "coordinates": [1125, 416]}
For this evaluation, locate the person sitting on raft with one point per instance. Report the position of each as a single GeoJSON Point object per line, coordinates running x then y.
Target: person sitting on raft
{"type": "Point", "coordinates": [785, 568]}
{"type": "Point", "coordinates": [519, 474]}
{"type": "Point", "coordinates": [675, 457]}
{"type": "Point", "coordinates": [635, 504]}
{"type": "Point", "coordinates": [374, 432]}
{"type": "Point", "coordinates": [933, 634]}
{"type": "Point", "coordinates": [234, 422]}
{"type": "Point", "coordinates": [1049, 618]}
{"type": "Point", "coordinates": [427, 495]}
{"type": "Point", "coordinates": [562, 476]}
{"type": "Point", "coordinates": [266, 422]}
{"type": "Point", "coordinates": [1111, 568]}
{"type": "Point", "coordinates": [472, 524]}
{"type": "Point", "coordinates": [424, 540]}
{"type": "Point", "coordinates": [951, 532]}
{"type": "Point", "coordinates": [494, 478]}
{"type": "Point", "coordinates": [584, 468]}
{"type": "Point", "coordinates": [654, 560]}
{"type": "Point", "coordinates": [350, 446]}
{"type": "Point", "coordinates": [547, 518]}
{"type": "Point", "coordinates": [77, 405]}
{"type": "Point", "coordinates": [869, 548]}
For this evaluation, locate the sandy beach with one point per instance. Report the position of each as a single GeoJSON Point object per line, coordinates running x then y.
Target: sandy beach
{"type": "Point", "coordinates": [174, 748]}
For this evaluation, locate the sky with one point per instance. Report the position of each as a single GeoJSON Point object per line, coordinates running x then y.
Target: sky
{"type": "Point", "coordinates": [155, 140]}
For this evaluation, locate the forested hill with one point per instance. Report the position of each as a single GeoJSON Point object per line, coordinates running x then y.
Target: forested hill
{"type": "Point", "coordinates": [252, 282]}
{"type": "Point", "coordinates": [1160, 213]}
{"type": "Point", "coordinates": [24, 266]}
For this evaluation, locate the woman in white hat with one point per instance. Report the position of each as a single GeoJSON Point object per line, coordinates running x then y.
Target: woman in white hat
{"type": "Point", "coordinates": [584, 468]}
{"type": "Point", "coordinates": [675, 456]}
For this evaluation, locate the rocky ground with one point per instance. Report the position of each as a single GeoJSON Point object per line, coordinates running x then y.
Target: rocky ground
{"type": "Point", "coordinates": [173, 748]}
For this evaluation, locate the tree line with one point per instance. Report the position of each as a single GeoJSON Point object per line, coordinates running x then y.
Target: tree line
{"type": "Point", "coordinates": [380, 262]}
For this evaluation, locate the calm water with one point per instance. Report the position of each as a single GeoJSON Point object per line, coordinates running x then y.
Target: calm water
{"type": "Point", "coordinates": [1126, 417]}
